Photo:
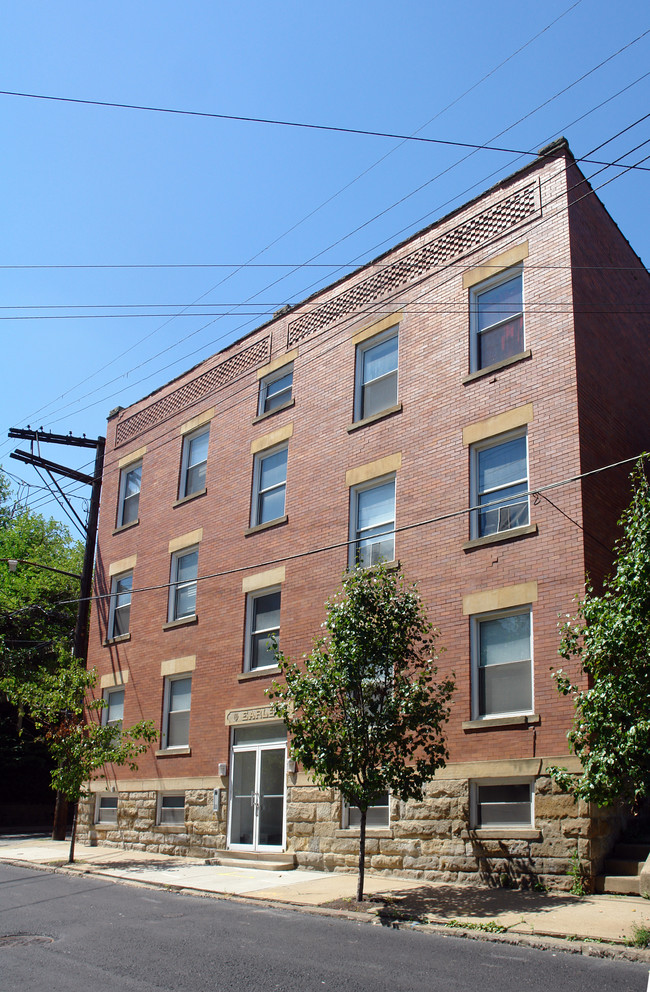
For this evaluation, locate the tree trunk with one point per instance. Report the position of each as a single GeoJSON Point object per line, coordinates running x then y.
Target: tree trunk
{"type": "Point", "coordinates": [59, 827]}
{"type": "Point", "coordinates": [362, 853]}
{"type": "Point", "coordinates": [73, 834]}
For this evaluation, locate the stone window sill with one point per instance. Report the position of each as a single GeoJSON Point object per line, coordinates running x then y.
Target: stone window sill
{"type": "Point", "coordinates": [270, 523]}
{"type": "Point", "coordinates": [498, 538]}
{"type": "Point", "coordinates": [381, 832]}
{"type": "Point", "coordinates": [132, 523]}
{"type": "Point", "coordinates": [258, 673]}
{"type": "Point", "coordinates": [269, 413]}
{"type": "Point", "coordinates": [104, 827]}
{"type": "Point", "coordinates": [388, 412]}
{"type": "Point", "coordinates": [188, 499]}
{"type": "Point", "coordinates": [182, 622]}
{"type": "Point", "coordinates": [390, 566]}
{"type": "Point", "coordinates": [173, 752]}
{"type": "Point", "coordinates": [122, 639]}
{"type": "Point", "coordinates": [489, 369]}
{"type": "Point", "coordinates": [489, 723]}
{"type": "Point", "coordinates": [502, 833]}
{"type": "Point", "coordinates": [172, 828]}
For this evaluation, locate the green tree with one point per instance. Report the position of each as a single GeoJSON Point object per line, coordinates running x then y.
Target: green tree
{"type": "Point", "coordinates": [609, 635]}
{"type": "Point", "coordinates": [38, 612]}
{"type": "Point", "coordinates": [365, 710]}
{"type": "Point", "coordinates": [68, 721]}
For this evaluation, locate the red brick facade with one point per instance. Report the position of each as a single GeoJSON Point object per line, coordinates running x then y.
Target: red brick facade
{"type": "Point", "coordinates": [578, 390]}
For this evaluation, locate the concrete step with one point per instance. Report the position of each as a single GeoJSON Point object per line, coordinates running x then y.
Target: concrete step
{"type": "Point", "coordinates": [620, 866]}
{"type": "Point", "coordinates": [262, 861]}
{"type": "Point", "coordinates": [621, 884]}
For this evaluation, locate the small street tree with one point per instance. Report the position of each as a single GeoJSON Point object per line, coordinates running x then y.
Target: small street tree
{"type": "Point", "coordinates": [69, 724]}
{"type": "Point", "coordinates": [365, 710]}
{"type": "Point", "coordinates": [610, 637]}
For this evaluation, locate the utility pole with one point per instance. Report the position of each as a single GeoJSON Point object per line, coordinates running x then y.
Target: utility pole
{"type": "Point", "coordinates": [80, 643]}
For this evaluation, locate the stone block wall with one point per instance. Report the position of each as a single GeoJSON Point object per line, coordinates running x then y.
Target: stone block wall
{"type": "Point", "coordinates": [202, 833]}
{"type": "Point", "coordinates": [430, 840]}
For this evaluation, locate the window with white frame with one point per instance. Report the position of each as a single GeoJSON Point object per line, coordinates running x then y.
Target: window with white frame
{"type": "Point", "coordinates": [497, 319]}
{"type": "Point", "coordinates": [499, 490]}
{"type": "Point", "coordinates": [182, 589]}
{"type": "Point", "coordinates": [113, 711]}
{"type": "Point", "coordinates": [194, 463]}
{"type": "Point", "coordinates": [176, 711]}
{"type": "Point", "coordinates": [263, 623]}
{"type": "Point", "coordinates": [502, 803]}
{"type": "Point", "coordinates": [106, 809]}
{"type": "Point", "coordinates": [376, 375]}
{"type": "Point", "coordinates": [171, 808]}
{"type": "Point", "coordinates": [129, 497]}
{"type": "Point", "coordinates": [378, 813]}
{"type": "Point", "coordinates": [269, 485]}
{"type": "Point", "coordinates": [275, 389]}
{"type": "Point", "coordinates": [502, 664]}
{"type": "Point", "coordinates": [372, 523]}
{"type": "Point", "coordinates": [119, 614]}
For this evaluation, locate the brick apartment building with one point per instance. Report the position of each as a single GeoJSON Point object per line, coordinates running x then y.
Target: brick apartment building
{"type": "Point", "coordinates": [421, 408]}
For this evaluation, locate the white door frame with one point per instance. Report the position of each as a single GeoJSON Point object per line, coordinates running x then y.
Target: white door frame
{"type": "Point", "coordinates": [257, 749]}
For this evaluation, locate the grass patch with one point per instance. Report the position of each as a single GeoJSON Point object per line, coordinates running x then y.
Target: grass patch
{"type": "Point", "coordinates": [490, 927]}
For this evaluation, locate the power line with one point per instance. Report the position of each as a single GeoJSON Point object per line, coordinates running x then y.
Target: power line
{"type": "Point", "coordinates": [356, 315]}
{"type": "Point", "coordinates": [474, 146]}
{"type": "Point", "coordinates": [440, 518]}
{"type": "Point", "coordinates": [450, 307]}
{"type": "Point", "coordinates": [356, 230]}
{"type": "Point", "coordinates": [296, 269]}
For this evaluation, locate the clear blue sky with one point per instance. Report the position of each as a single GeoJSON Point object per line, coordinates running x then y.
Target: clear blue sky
{"type": "Point", "coordinates": [98, 186]}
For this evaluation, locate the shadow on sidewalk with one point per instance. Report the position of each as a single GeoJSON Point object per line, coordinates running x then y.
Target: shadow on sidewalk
{"type": "Point", "coordinates": [455, 901]}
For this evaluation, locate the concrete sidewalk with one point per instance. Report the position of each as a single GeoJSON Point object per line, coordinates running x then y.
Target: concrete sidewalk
{"type": "Point", "coordinates": [608, 918]}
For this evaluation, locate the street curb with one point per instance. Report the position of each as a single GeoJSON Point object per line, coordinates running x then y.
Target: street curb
{"type": "Point", "coordinates": [586, 946]}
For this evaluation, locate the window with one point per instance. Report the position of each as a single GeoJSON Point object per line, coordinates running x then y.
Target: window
{"type": "Point", "coordinates": [269, 486]}
{"type": "Point", "coordinates": [378, 814]}
{"type": "Point", "coordinates": [496, 319]}
{"type": "Point", "coordinates": [129, 499]}
{"type": "Point", "coordinates": [113, 711]}
{"type": "Point", "coordinates": [106, 809]}
{"type": "Point", "coordinates": [499, 485]}
{"type": "Point", "coordinates": [120, 606]}
{"type": "Point", "coordinates": [263, 623]}
{"type": "Point", "coordinates": [176, 720]}
{"type": "Point", "coordinates": [171, 809]}
{"type": "Point", "coordinates": [194, 464]}
{"type": "Point", "coordinates": [182, 591]}
{"type": "Point", "coordinates": [372, 523]}
{"type": "Point", "coordinates": [376, 375]}
{"type": "Point", "coordinates": [502, 804]}
{"type": "Point", "coordinates": [275, 389]}
{"type": "Point", "coordinates": [502, 663]}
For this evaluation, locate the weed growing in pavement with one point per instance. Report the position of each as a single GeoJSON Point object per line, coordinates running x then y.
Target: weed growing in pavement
{"type": "Point", "coordinates": [640, 936]}
{"type": "Point", "coordinates": [578, 888]}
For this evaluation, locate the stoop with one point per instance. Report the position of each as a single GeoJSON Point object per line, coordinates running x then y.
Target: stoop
{"type": "Point", "coordinates": [265, 861]}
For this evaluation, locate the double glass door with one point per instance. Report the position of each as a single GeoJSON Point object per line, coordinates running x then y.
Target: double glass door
{"type": "Point", "coordinates": [257, 791]}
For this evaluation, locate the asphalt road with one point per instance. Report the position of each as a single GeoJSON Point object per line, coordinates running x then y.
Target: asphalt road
{"type": "Point", "coordinates": [98, 934]}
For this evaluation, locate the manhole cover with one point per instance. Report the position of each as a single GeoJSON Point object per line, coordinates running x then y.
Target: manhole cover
{"type": "Point", "coordinates": [17, 939]}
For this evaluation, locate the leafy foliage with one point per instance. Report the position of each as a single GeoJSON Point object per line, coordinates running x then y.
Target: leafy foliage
{"type": "Point", "coordinates": [79, 746]}
{"type": "Point", "coordinates": [610, 636]}
{"type": "Point", "coordinates": [365, 710]}
{"type": "Point", "coordinates": [34, 614]}
{"type": "Point", "coordinates": [37, 614]}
